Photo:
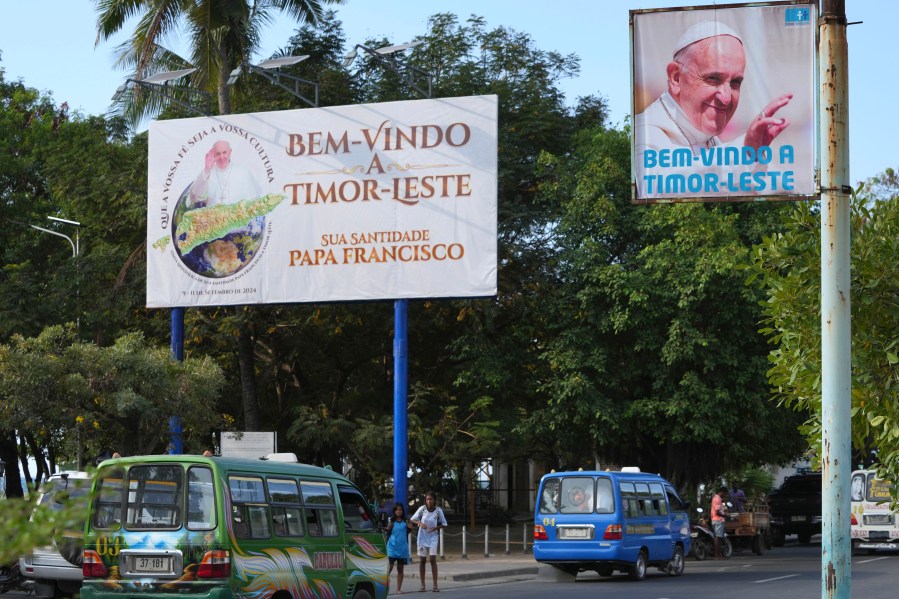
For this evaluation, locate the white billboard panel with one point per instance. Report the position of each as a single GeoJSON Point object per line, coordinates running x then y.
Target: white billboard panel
{"type": "Point", "coordinates": [251, 445]}
{"type": "Point", "coordinates": [724, 103]}
{"type": "Point", "coordinates": [365, 202]}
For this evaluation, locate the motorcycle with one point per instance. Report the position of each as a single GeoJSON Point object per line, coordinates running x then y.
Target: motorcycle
{"type": "Point", "coordinates": [11, 579]}
{"type": "Point", "coordinates": [703, 540]}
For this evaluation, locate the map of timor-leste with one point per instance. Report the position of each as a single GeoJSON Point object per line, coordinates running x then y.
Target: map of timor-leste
{"type": "Point", "coordinates": [206, 224]}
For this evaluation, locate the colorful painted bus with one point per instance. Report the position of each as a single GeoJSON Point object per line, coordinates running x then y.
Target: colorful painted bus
{"type": "Point", "coordinates": [221, 528]}
{"type": "Point", "coordinates": [875, 525]}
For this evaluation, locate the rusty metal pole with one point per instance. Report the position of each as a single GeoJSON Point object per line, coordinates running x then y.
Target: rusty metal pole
{"type": "Point", "coordinates": [836, 381]}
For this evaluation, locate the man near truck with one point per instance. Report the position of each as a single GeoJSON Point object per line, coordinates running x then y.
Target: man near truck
{"type": "Point", "coordinates": [718, 516]}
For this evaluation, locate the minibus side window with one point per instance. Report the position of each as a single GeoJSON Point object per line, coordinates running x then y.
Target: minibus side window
{"type": "Point", "coordinates": [645, 499]}
{"type": "Point", "coordinates": [60, 493]}
{"type": "Point", "coordinates": [605, 502]}
{"type": "Point", "coordinates": [356, 513]}
{"type": "Point", "coordinates": [321, 511]}
{"type": "Point", "coordinates": [549, 499]}
{"type": "Point", "coordinates": [659, 505]}
{"type": "Point", "coordinates": [629, 499]}
{"type": "Point", "coordinates": [674, 500]}
{"type": "Point", "coordinates": [249, 507]}
{"type": "Point", "coordinates": [200, 499]}
{"type": "Point", "coordinates": [287, 513]}
{"type": "Point", "coordinates": [155, 496]}
{"type": "Point", "coordinates": [110, 494]}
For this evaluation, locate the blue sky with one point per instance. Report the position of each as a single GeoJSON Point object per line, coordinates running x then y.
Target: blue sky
{"type": "Point", "coordinates": [49, 44]}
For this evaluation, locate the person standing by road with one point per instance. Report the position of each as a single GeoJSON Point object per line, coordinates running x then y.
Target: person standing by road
{"type": "Point", "coordinates": [397, 544]}
{"type": "Point", "coordinates": [430, 519]}
{"type": "Point", "coordinates": [738, 498]}
{"type": "Point", "coordinates": [718, 516]}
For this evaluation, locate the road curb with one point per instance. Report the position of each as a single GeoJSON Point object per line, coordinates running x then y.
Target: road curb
{"type": "Point", "coordinates": [525, 570]}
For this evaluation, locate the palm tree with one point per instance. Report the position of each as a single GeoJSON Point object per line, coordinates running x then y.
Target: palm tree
{"type": "Point", "coordinates": [222, 34]}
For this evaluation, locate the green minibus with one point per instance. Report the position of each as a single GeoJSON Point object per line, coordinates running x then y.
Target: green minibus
{"type": "Point", "coordinates": [222, 528]}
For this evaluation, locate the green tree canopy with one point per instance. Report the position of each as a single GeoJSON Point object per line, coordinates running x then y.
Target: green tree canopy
{"type": "Point", "coordinates": [68, 398]}
{"type": "Point", "coordinates": [787, 267]}
{"type": "Point", "coordinates": [652, 345]}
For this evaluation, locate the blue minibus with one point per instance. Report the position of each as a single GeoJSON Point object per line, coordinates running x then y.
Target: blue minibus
{"type": "Point", "coordinates": [622, 521]}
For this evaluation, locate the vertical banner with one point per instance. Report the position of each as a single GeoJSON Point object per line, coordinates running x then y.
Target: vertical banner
{"type": "Point", "coordinates": [723, 103]}
{"type": "Point", "coordinates": [365, 202]}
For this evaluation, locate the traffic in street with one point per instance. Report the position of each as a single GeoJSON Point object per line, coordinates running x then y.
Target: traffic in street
{"type": "Point", "coordinates": [792, 571]}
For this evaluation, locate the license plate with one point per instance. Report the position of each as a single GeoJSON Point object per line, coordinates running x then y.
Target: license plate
{"type": "Point", "coordinates": [879, 519]}
{"type": "Point", "coordinates": [797, 519]}
{"type": "Point", "coordinates": [152, 563]}
{"type": "Point", "coordinates": [574, 533]}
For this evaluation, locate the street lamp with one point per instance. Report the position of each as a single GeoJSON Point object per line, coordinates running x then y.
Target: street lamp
{"type": "Point", "coordinates": [161, 83]}
{"type": "Point", "coordinates": [390, 58]}
{"type": "Point", "coordinates": [271, 70]}
{"type": "Point", "coordinates": [76, 250]}
{"type": "Point", "coordinates": [76, 245]}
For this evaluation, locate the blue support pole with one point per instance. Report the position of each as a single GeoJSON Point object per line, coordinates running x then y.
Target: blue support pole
{"type": "Point", "coordinates": [400, 400]}
{"type": "Point", "coordinates": [175, 446]}
{"type": "Point", "coordinates": [836, 341]}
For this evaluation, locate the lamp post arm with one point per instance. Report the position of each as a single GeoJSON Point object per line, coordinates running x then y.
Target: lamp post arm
{"type": "Point", "coordinates": [393, 63]}
{"type": "Point", "coordinates": [66, 237]}
{"type": "Point", "coordinates": [275, 78]}
{"type": "Point", "coordinates": [165, 91]}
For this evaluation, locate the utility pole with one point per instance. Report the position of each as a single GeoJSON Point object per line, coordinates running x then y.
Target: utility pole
{"type": "Point", "coordinates": [836, 354]}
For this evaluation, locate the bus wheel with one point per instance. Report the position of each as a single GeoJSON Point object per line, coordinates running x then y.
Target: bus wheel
{"type": "Point", "coordinates": [638, 570]}
{"type": "Point", "coordinates": [676, 565]}
{"type": "Point", "coordinates": [362, 594]}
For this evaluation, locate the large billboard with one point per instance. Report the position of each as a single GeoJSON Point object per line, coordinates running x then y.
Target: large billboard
{"type": "Point", "coordinates": [724, 103]}
{"type": "Point", "coordinates": [366, 202]}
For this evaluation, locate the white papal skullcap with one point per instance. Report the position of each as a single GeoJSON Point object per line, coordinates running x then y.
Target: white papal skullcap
{"type": "Point", "coordinates": [703, 30]}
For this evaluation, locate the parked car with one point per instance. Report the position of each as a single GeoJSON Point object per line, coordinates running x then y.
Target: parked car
{"type": "Point", "coordinates": [796, 508]}
{"type": "Point", "coordinates": [56, 568]}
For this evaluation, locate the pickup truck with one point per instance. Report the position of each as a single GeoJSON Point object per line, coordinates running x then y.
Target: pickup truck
{"type": "Point", "coordinates": [796, 508]}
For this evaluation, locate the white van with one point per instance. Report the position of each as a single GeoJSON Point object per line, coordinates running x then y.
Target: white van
{"type": "Point", "coordinates": [874, 524]}
{"type": "Point", "coordinates": [56, 568]}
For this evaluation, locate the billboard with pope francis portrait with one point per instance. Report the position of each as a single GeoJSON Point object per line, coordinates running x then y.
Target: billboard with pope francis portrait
{"type": "Point", "coordinates": [366, 202]}
{"type": "Point", "coordinates": [724, 103]}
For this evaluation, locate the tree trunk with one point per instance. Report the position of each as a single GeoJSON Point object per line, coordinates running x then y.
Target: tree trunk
{"type": "Point", "coordinates": [10, 455]}
{"type": "Point", "coordinates": [246, 361]}
{"type": "Point", "coordinates": [223, 95]}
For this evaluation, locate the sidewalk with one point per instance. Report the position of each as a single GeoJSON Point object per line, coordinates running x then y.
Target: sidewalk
{"type": "Point", "coordinates": [455, 571]}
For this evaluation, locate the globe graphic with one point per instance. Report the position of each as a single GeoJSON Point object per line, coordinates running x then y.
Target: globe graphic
{"type": "Point", "coordinates": [222, 257]}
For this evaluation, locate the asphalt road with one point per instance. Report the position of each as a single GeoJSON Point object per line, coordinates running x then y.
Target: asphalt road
{"type": "Point", "coordinates": [793, 571]}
